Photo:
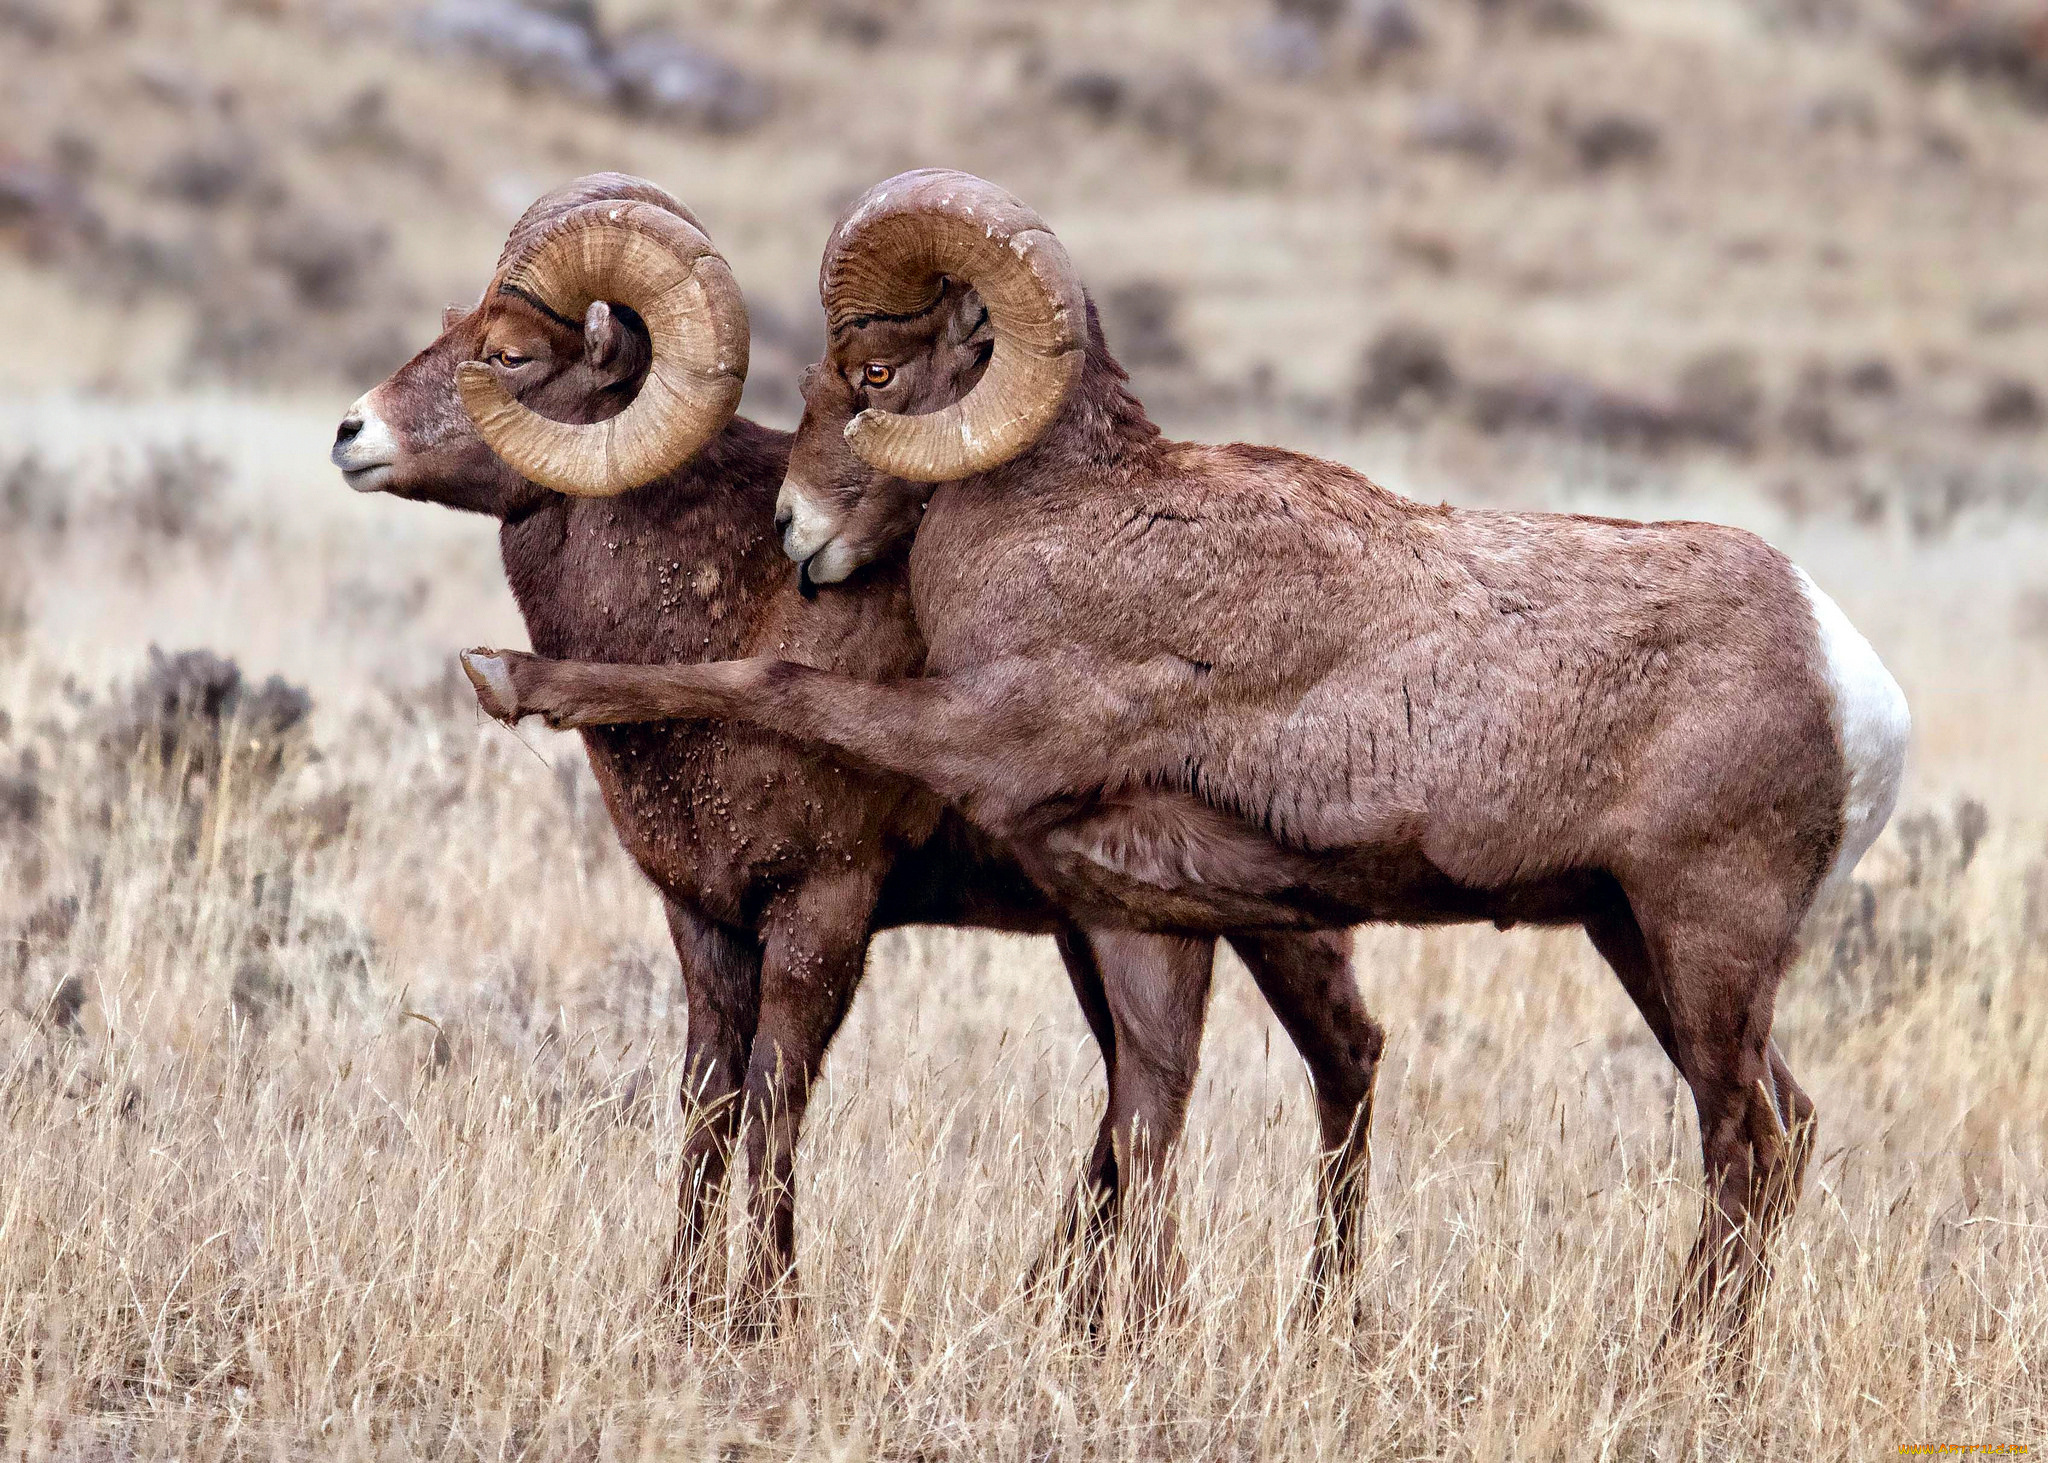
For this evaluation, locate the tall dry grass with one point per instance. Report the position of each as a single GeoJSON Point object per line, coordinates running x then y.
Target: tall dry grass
{"type": "Point", "coordinates": [338, 1114]}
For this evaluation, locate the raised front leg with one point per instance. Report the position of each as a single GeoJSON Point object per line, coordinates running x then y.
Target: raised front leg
{"type": "Point", "coordinates": [1008, 736]}
{"type": "Point", "coordinates": [721, 984]}
{"type": "Point", "coordinates": [812, 960]}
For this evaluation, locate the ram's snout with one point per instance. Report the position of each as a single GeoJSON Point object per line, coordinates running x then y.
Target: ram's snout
{"type": "Point", "coordinates": [364, 448]}
{"type": "Point", "coordinates": [809, 534]}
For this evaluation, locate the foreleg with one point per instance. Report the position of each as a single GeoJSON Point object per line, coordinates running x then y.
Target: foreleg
{"type": "Point", "coordinates": [721, 984]}
{"type": "Point", "coordinates": [1307, 981]}
{"type": "Point", "coordinates": [1157, 988]}
{"type": "Point", "coordinates": [1012, 734]}
{"type": "Point", "coordinates": [1084, 1224]}
{"type": "Point", "coordinates": [812, 962]}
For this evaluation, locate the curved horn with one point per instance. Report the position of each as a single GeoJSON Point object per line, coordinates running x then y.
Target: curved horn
{"type": "Point", "coordinates": [590, 188]}
{"type": "Point", "coordinates": [890, 255]}
{"type": "Point", "coordinates": [654, 260]}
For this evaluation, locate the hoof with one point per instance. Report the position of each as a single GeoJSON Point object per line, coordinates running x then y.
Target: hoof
{"type": "Point", "coordinates": [491, 675]}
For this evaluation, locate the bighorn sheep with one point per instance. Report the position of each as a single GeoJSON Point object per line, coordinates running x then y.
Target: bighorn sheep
{"type": "Point", "coordinates": [587, 404]}
{"type": "Point", "coordinates": [1230, 688]}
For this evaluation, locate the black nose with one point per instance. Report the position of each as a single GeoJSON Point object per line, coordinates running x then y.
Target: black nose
{"type": "Point", "coordinates": [782, 517]}
{"type": "Point", "coordinates": [345, 433]}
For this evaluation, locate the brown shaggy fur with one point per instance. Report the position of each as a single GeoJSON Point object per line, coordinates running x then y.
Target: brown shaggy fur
{"type": "Point", "coordinates": [776, 862]}
{"type": "Point", "coordinates": [1217, 689]}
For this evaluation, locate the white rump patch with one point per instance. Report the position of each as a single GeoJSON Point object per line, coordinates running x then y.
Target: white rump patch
{"type": "Point", "coordinates": [1871, 719]}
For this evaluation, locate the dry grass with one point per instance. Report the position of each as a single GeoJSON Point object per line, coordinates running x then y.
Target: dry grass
{"type": "Point", "coordinates": [253, 1205]}
{"type": "Point", "coordinates": [337, 1097]}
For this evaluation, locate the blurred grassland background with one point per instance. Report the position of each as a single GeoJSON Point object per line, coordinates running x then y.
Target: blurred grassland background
{"type": "Point", "coordinates": [1781, 263]}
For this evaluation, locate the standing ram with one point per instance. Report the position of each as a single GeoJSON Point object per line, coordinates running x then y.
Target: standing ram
{"type": "Point", "coordinates": [586, 403]}
{"type": "Point", "coordinates": [1228, 688]}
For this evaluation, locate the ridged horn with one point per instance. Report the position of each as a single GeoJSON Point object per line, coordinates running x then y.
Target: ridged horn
{"type": "Point", "coordinates": [591, 188]}
{"type": "Point", "coordinates": [651, 257]}
{"type": "Point", "coordinates": [890, 256]}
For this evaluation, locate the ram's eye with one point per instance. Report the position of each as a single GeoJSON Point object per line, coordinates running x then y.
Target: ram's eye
{"type": "Point", "coordinates": [877, 374]}
{"type": "Point", "coordinates": [508, 358]}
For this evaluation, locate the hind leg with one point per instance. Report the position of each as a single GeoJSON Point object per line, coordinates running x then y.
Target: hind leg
{"type": "Point", "coordinates": [1796, 1111]}
{"type": "Point", "coordinates": [1788, 1113]}
{"type": "Point", "coordinates": [1619, 939]}
{"type": "Point", "coordinates": [1307, 981]}
{"type": "Point", "coordinates": [1717, 949]}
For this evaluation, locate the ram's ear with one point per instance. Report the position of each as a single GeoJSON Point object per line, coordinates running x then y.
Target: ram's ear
{"type": "Point", "coordinates": [604, 340]}
{"type": "Point", "coordinates": [450, 314]}
{"type": "Point", "coordinates": [968, 323]}
{"type": "Point", "coordinates": [970, 339]}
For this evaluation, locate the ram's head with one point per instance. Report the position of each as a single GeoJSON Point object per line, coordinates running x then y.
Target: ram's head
{"type": "Point", "coordinates": [609, 346]}
{"type": "Point", "coordinates": [956, 329]}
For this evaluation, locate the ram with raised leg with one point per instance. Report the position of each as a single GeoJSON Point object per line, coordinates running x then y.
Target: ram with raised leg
{"type": "Point", "coordinates": [1222, 689]}
{"type": "Point", "coordinates": [586, 404]}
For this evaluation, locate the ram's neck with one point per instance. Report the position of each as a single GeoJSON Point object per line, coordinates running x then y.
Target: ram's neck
{"type": "Point", "coordinates": [679, 570]}
{"type": "Point", "coordinates": [1102, 428]}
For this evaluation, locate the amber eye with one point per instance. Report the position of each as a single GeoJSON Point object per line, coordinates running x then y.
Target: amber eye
{"type": "Point", "coordinates": [877, 374]}
{"type": "Point", "coordinates": [509, 358]}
